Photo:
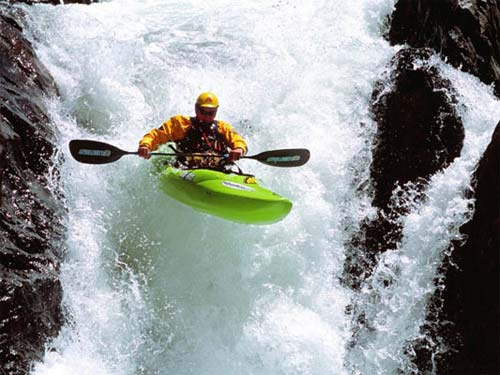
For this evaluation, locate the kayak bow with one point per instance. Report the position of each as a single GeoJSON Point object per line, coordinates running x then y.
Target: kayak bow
{"type": "Point", "coordinates": [235, 197]}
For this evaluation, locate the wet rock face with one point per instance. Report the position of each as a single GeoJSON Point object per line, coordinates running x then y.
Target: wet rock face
{"type": "Point", "coordinates": [461, 333]}
{"type": "Point", "coordinates": [477, 282]}
{"type": "Point", "coordinates": [467, 33]}
{"type": "Point", "coordinates": [418, 130]}
{"type": "Point", "coordinates": [418, 134]}
{"type": "Point", "coordinates": [31, 212]}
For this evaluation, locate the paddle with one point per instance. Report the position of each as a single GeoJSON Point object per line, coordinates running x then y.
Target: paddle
{"type": "Point", "coordinates": [95, 152]}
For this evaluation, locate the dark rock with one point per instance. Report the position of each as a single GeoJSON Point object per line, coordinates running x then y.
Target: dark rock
{"type": "Point", "coordinates": [467, 33]}
{"type": "Point", "coordinates": [418, 134]}
{"type": "Point", "coordinates": [31, 229]}
{"type": "Point", "coordinates": [461, 333]}
{"type": "Point", "coordinates": [419, 131]}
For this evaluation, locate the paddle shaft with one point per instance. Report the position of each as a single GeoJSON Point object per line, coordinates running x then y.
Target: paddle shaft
{"type": "Point", "coordinates": [95, 152]}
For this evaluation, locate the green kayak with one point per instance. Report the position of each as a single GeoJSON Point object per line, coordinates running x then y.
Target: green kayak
{"type": "Point", "coordinates": [232, 196]}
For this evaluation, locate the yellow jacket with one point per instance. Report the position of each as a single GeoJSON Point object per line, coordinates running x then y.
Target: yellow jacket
{"type": "Point", "coordinates": [175, 129]}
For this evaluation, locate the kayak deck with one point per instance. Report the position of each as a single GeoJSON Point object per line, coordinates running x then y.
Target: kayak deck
{"type": "Point", "coordinates": [232, 196]}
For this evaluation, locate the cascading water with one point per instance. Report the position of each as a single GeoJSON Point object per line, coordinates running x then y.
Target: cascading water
{"type": "Point", "coordinates": [152, 287]}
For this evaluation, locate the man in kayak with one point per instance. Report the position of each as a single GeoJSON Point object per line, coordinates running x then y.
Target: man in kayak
{"type": "Point", "coordinates": [201, 134]}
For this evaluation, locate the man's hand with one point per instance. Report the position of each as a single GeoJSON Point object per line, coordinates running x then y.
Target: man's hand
{"type": "Point", "coordinates": [235, 154]}
{"type": "Point", "coordinates": [144, 152]}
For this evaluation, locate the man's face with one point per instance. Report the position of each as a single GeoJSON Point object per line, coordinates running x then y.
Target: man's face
{"type": "Point", "coordinates": [206, 115]}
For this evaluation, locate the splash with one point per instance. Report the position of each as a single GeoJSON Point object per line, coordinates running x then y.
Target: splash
{"type": "Point", "coordinates": [152, 287]}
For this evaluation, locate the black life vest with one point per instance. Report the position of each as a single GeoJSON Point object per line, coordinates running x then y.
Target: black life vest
{"type": "Point", "coordinates": [201, 138]}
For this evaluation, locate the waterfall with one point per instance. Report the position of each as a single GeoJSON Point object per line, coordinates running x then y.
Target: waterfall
{"type": "Point", "coordinates": [153, 287]}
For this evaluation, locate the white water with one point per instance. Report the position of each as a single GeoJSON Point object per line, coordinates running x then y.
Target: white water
{"type": "Point", "coordinates": [152, 287]}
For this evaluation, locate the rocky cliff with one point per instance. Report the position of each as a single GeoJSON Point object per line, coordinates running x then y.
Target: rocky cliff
{"type": "Point", "coordinates": [419, 133]}
{"type": "Point", "coordinates": [31, 204]}
{"type": "Point", "coordinates": [461, 332]}
{"type": "Point", "coordinates": [466, 33]}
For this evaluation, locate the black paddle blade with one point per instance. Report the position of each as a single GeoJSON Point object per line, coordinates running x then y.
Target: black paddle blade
{"type": "Point", "coordinates": [94, 152]}
{"type": "Point", "coordinates": [292, 157]}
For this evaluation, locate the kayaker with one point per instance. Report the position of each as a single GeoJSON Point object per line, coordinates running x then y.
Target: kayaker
{"type": "Point", "coordinates": [199, 134]}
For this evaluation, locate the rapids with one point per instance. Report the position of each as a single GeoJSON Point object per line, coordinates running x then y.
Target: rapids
{"type": "Point", "coordinates": [152, 287]}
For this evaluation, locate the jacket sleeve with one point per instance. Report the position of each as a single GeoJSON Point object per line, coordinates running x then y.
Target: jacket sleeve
{"type": "Point", "coordinates": [173, 129]}
{"type": "Point", "coordinates": [232, 137]}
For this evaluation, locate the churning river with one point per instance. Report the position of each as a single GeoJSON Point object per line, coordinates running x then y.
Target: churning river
{"type": "Point", "coordinates": [153, 287]}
